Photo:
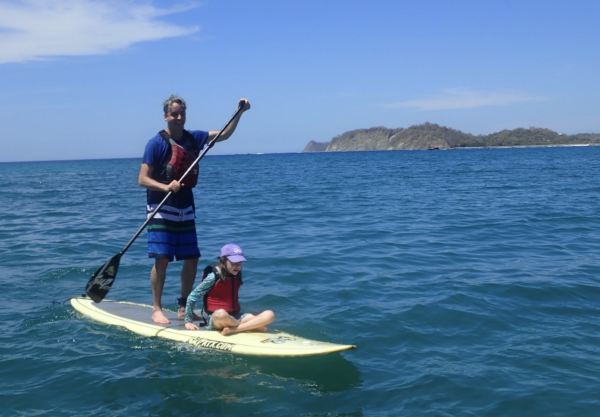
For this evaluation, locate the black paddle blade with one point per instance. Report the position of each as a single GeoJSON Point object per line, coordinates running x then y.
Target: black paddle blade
{"type": "Point", "coordinates": [100, 283]}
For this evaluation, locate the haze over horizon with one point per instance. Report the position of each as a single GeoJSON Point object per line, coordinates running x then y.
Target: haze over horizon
{"type": "Point", "coordinates": [85, 79]}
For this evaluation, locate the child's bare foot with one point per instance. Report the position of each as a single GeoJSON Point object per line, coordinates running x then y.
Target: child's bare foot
{"type": "Point", "coordinates": [231, 330]}
{"type": "Point", "coordinates": [228, 330]}
{"type": "Point", "coordinates": [159, 317]}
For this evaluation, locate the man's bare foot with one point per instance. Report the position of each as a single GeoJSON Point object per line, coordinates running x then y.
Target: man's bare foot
{"type": "Point", "coordinates": [159, 317]}
{"type": "Point", "coordinates": [181, 314]}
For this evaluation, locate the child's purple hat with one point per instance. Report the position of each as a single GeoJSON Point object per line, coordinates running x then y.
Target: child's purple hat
{"type": "Point", "coordinates": [233, 252]}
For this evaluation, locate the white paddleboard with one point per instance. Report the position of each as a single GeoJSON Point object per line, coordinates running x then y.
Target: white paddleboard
{"type": "Point", "coordinates": [136, 318]}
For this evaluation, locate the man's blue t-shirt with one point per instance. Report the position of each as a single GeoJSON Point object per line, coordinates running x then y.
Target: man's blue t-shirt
{"type": "Point", "coordinates": [155, 155]}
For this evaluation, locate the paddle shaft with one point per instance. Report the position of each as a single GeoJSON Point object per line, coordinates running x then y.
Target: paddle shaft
{"type": "Point", "coordinates": [210, 145]}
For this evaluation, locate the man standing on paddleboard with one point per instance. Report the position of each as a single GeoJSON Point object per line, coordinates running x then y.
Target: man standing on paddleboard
{"type": "Point", "coordinates": [172, 231]}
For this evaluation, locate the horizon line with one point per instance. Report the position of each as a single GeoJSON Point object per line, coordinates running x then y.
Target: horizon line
{"type": "Point", "coordinates": [128, 157]}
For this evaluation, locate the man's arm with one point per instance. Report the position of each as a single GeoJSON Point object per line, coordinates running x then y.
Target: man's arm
{"type": "Point", "coordinates": [145, 180]}
{"type": "Point", "coordinates": [231, 128]}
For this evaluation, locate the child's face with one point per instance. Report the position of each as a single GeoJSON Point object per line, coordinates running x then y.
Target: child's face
{"type": "Point", "coordinates": [234, 267]}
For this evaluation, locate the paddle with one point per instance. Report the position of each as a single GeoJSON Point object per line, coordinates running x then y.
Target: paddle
{"type": "Point", "coordinates": [100, 283]}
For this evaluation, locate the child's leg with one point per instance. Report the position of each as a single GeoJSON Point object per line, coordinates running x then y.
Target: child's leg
{"type": "Point", "coordinates": [221, 319]}
{"type": "Point", "coordinates": [251, 322]}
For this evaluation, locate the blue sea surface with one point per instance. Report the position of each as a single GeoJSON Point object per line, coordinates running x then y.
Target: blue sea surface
{"type": "Point", "coordinates": [468, 279]}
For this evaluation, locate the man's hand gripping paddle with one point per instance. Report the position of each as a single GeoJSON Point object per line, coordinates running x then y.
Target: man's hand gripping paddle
{"type": "Point", "coordinates": [100, 283]}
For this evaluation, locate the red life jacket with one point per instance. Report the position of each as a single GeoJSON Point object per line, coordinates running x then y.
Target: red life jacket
{"type": "Point", "coordinates": [224, 294]}
{"type": "Point", "coordinates": [182, 157]}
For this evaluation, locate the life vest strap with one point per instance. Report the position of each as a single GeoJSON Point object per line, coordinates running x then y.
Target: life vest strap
{"type": "Point", "coordinates": [179, 158]}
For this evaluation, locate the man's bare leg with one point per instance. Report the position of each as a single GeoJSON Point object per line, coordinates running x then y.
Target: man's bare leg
{"type": "Point", "coordinates": [188, 276]}
{"type": "Point", "coordinates": [157, 280]}
{"type": "Point", "coordinates": [250, 322]}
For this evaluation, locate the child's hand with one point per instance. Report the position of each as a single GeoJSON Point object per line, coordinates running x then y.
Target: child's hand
{"type": "Point", "coordinates": [191, 326]}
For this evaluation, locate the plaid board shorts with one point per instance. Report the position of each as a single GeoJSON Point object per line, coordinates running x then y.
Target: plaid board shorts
{"type": "Point", "coordinates": [172, 233]}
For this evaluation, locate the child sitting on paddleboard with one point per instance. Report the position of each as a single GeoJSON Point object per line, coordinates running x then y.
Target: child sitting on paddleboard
{"type": "Point", "coordinates": [219, 288]}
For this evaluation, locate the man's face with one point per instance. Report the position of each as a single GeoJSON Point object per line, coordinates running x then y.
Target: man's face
{"type": "Point", "coordinates": [176, 117]}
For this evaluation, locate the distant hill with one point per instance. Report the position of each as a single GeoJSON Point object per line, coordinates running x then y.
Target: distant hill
{"type": "Point", "coordinates": [432, 136]}
{"type": "Point", "coordinates": [316, 146]}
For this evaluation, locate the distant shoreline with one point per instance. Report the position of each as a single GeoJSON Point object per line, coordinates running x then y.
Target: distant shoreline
{"type": "Point", "coordinates": [471, 147]}
{"type": "Point", "coordinates": [428, 136]}
{"type": "Point", "coordinates": [293, 153]}
{"type": "Point", "coordinates": [568, 145]}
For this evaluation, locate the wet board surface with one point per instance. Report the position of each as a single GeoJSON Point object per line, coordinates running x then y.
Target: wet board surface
{"type": "Point", "coordinates": [136, 318]}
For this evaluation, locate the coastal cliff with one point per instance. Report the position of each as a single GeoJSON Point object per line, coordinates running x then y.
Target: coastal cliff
{"type": "Point", "coordinates": [432, 136]}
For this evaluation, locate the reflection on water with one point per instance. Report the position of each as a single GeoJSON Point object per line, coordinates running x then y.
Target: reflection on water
{"type": "Point", "coordinates": [324, 373]}
{"type": "Point", "coordinates": [194, 381]}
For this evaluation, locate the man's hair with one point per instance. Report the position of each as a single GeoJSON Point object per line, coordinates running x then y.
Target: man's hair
{"type": "Point", "coordinates": [169, 103]}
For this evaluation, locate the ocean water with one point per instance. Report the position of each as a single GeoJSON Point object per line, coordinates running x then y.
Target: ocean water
{"type": "Point", "coordinates": [468, 279]}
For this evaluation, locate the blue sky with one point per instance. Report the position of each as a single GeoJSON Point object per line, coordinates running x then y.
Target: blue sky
{"type": "Point", "coordinates": [83, 79]}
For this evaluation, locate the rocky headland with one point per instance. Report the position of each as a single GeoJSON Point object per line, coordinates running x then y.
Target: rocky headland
{"type": "Point", "coordinates": [432, 136]}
